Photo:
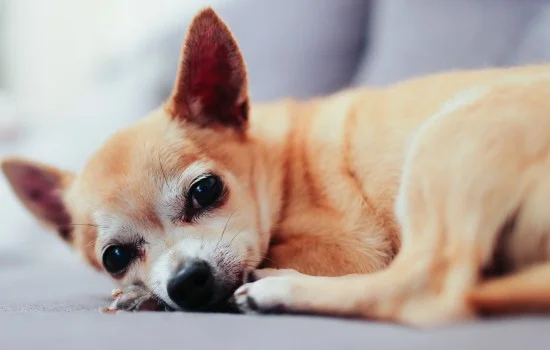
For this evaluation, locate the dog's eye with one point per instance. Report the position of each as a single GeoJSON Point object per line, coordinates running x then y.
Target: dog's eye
{"type": "Point", "coordinates": [116, 258]}
{"type": "Point", "coordinates": [205, 192]}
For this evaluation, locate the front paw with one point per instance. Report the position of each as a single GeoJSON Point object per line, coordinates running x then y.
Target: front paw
{"type": "Point", "coordinates": [268, 295]}
{"type": "Point", "coordinates": [134, 298]}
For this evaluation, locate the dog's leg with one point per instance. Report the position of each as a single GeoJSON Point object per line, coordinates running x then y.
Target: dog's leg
{"type": "Point", "coordinates": [464, 179]}
{"type": "Point", "coordinates": [527, 287]}
{"type": "Point", "coordinates": [525, 291]}
{"type": "Point", "coordinates": [134, 298]}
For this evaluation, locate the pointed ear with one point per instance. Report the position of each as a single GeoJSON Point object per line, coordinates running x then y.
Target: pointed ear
{"type": "Point", "coordinates": [211, 86]}
{"type": "Point", "coordinates": [41, 188]}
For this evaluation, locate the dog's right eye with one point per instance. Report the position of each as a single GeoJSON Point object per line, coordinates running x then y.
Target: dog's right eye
{"type": "Point", "coordinates": [116, 258]}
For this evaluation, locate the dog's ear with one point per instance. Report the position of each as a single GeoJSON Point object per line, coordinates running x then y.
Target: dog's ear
{"type": "Point", "coordinates": [40, 188]}
{"type": "Point", "coordinates": [211, 85]}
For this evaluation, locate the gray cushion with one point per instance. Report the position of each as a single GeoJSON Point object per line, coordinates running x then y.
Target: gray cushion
{"type": "Point", "coordinates": [71, 331]}
{"type": "Point", "coordinates": [49, 304]}
{"type": "Point", "coordinates": [415, 37]}
{"type": "Point", "coordinates": [298, 48]}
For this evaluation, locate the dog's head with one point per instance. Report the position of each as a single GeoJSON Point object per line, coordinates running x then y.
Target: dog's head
{"type": "Point", "coordinates": [174, 201]}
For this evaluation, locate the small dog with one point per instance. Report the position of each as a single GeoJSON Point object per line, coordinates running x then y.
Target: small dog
{"type": "Point", "coordinates": [422, 203]}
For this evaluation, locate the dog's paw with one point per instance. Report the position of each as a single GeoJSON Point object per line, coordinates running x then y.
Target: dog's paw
{"type": "Point", "coordinates": [267, 295]}
{"type": "Point", "coordinates": [134, 298]}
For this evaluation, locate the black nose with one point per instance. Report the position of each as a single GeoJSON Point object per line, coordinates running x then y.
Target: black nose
{"type": "Point", "coordinates": [192, 287]}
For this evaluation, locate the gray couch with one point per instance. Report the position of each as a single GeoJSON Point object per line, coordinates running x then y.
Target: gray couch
{"type": "Point", "coordinates": [303, 48]}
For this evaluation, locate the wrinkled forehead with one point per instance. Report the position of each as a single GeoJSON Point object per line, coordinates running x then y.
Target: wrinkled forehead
{"type": "Point", "coordinates": [130, 172]}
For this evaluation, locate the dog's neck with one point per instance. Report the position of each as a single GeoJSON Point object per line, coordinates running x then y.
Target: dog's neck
{"type": "Point", "coordinates": [295, 158]}
{"type": "Point", "coordinates": [269, 131]}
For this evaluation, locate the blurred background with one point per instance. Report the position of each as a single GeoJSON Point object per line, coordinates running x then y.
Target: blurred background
{"type": "Point", "coordinates": [72, 72]}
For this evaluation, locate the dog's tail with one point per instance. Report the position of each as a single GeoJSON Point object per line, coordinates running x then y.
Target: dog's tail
{"type": "Point", "coordinates": [527, 291]}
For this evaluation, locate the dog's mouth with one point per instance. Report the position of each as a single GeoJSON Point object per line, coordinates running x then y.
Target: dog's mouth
{"type": "Point", "coordinates": [223, 305]}
{"type": "Point", "coordinates": [214, 297]}
{"type": "Point", "coordinates": [225, 302]}
{"type": "Point", "coordinates": [222, 301]}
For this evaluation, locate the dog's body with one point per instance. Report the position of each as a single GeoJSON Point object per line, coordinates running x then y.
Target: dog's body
{"type": "Point", "coordinates": [447, 174]}
{"type": "Point", "coordinates": [342, 158]}
{"type": "Point", "coordinates": [425, 164]}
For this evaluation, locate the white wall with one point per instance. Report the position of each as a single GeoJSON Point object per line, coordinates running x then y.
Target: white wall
{"type": "Point", "coordinates": [54, 48]}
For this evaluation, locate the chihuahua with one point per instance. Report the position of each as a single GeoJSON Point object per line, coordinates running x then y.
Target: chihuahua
{"type": "Point", "coordinates": [423, 203]}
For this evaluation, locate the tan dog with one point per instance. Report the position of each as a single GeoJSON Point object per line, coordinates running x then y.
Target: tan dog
{"type": "Point", "coordinates": [447, 174]}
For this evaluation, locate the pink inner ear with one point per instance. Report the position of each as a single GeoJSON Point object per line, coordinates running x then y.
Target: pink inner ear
{"type": "Point", "coordinates": [211, 82]}
{"type": "Point", "coordinates": [211, 76]}
{"type": "Point", "coordinates": [42, 191]}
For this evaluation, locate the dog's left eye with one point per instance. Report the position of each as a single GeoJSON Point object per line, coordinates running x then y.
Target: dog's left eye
{"type": "Point", "coordinates": [205, 192]}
